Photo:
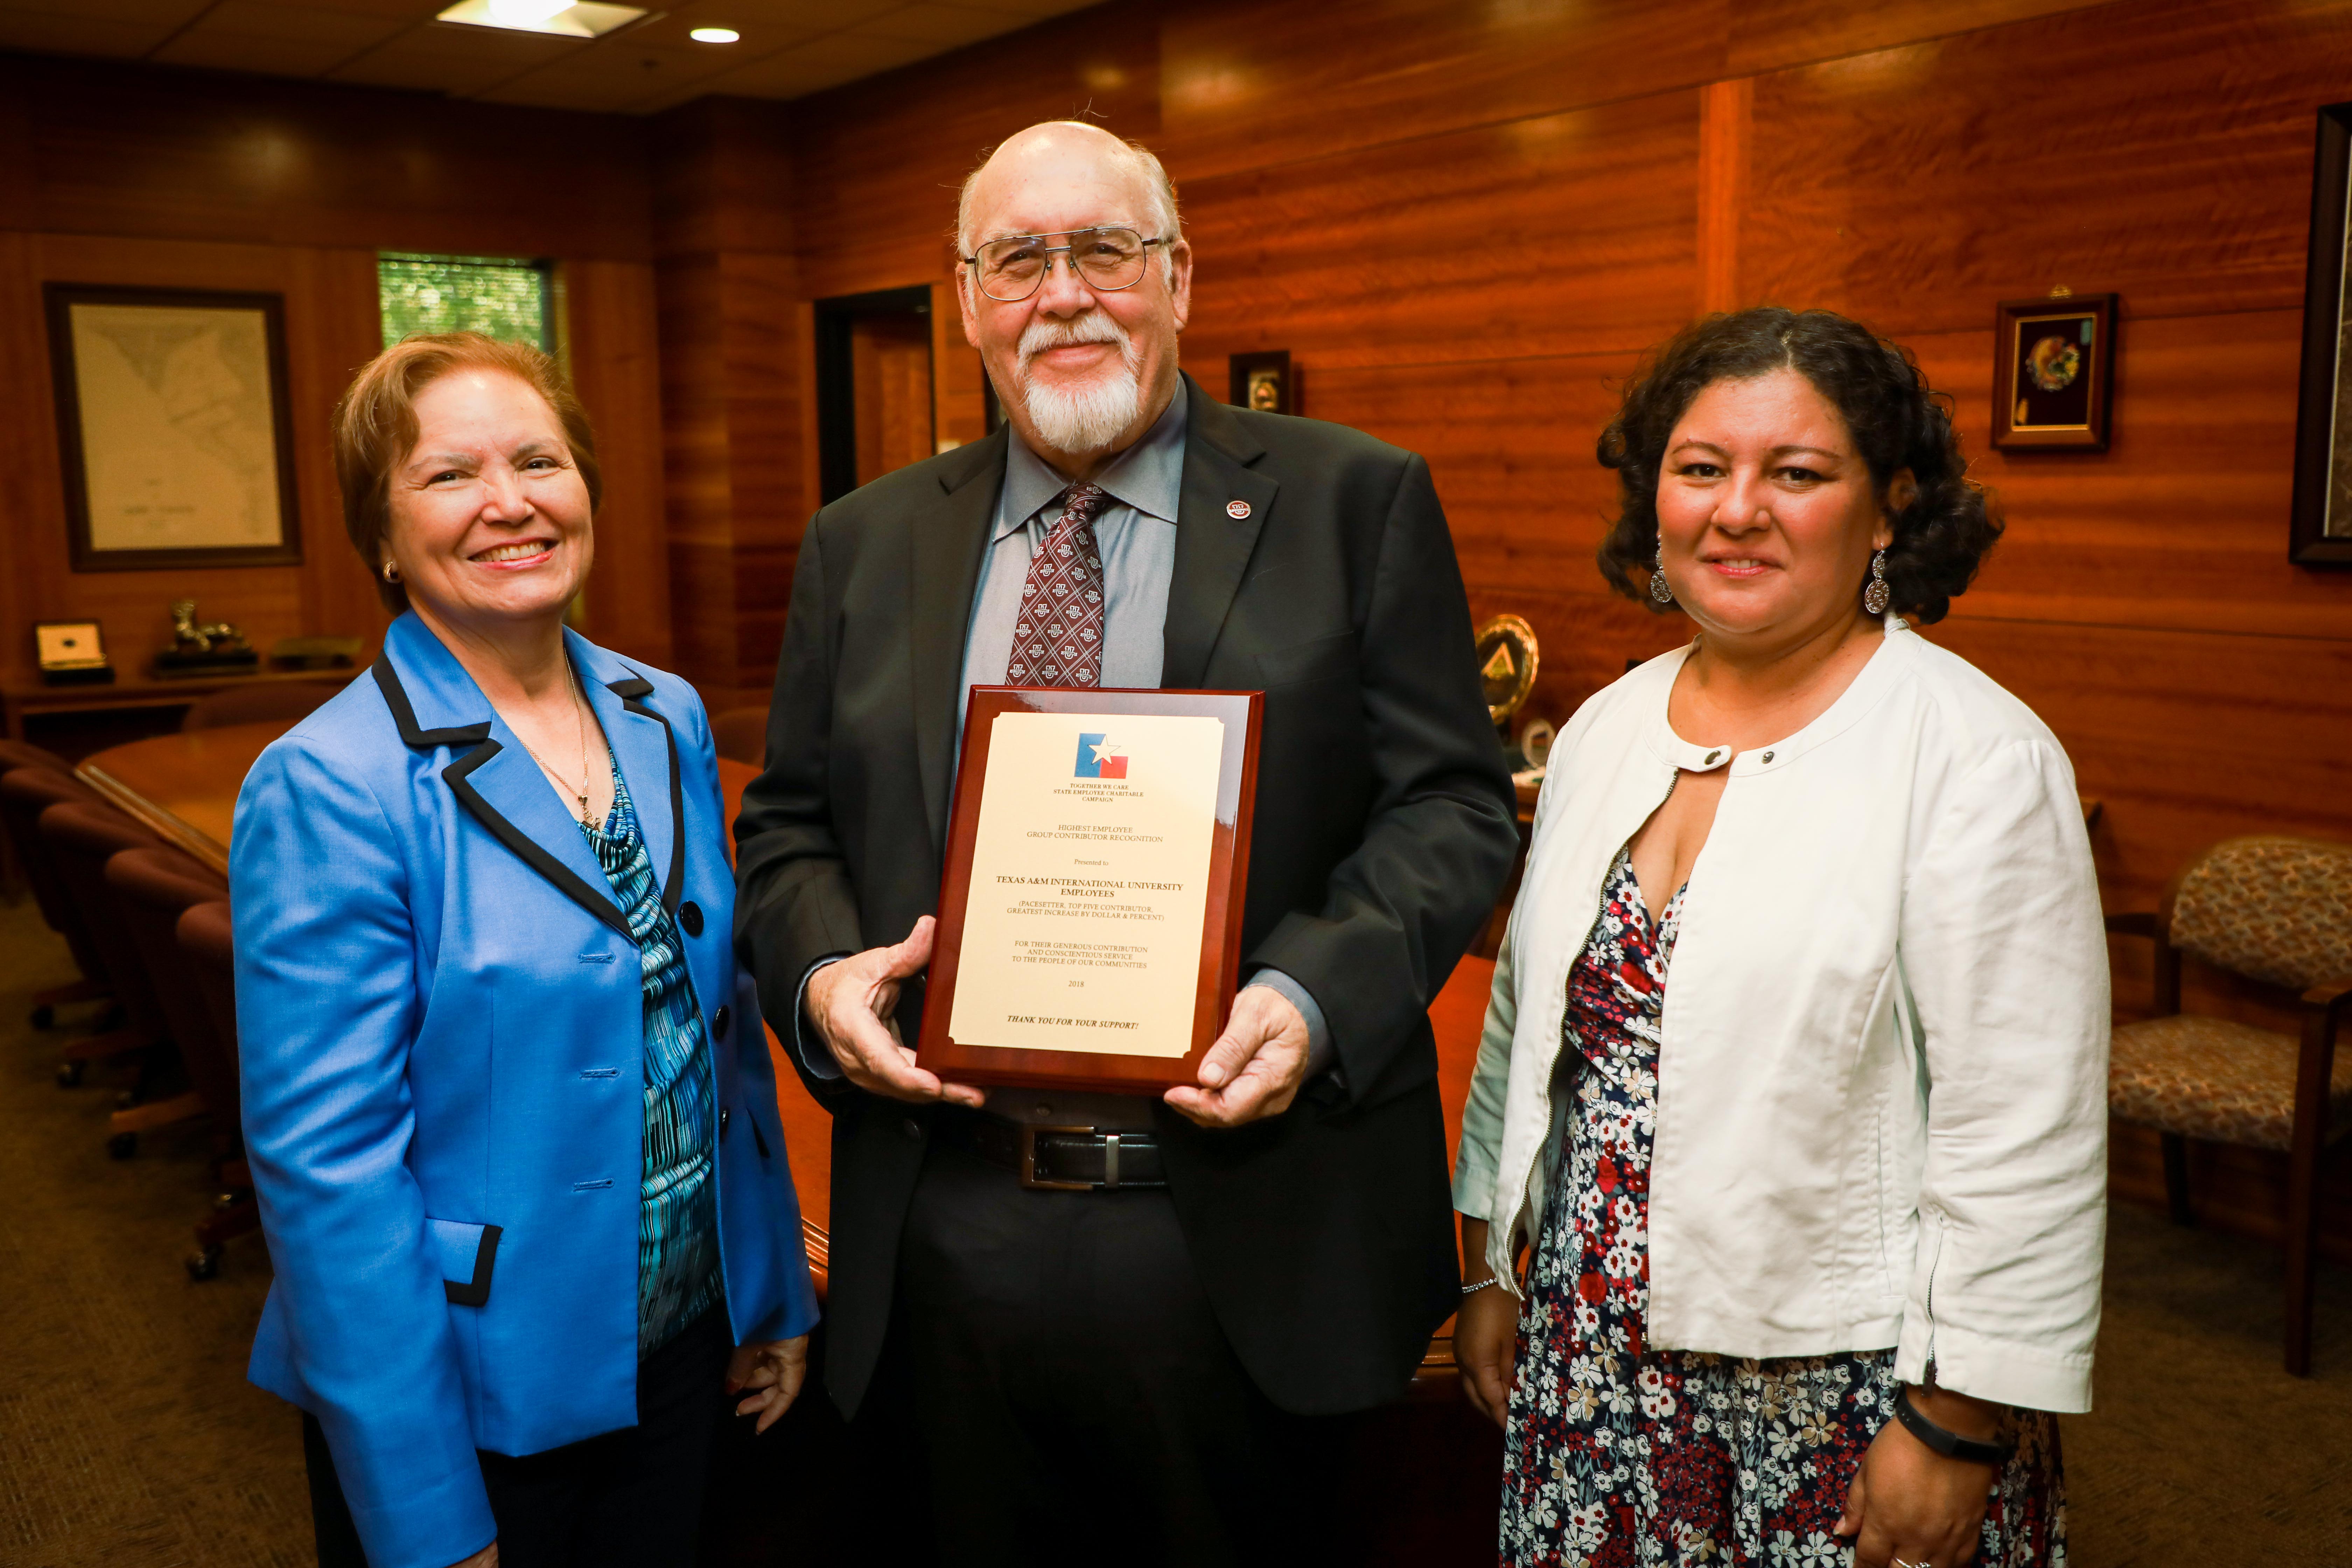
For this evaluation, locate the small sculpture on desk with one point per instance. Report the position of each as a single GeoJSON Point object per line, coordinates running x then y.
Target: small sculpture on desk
{"type": "Point", "coordinates": [215, 649]}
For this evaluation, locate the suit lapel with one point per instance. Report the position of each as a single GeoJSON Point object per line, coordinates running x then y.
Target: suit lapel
{"type": "Point", "coordinates": [647, 752]}
{"type": "Point", "coordinates": [948, 543]}
{"type": "Point", "coordinates": [436, 703]}
{"type": "Point", "coordinates": [1212, 545]}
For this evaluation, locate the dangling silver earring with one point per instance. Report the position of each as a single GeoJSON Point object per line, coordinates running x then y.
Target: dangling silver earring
{"type": "Point", "coordinates": [1660, 589]}
{"type": "Point", "coordinates": [1875, 593]}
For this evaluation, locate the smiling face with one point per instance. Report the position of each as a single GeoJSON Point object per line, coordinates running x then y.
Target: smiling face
{"type": "Point", "coordinates": [1767, 514]}
{"type": "Point", "coordinates": [489, 515]}
{"type": "Point", "coordinates": [1080, 372]}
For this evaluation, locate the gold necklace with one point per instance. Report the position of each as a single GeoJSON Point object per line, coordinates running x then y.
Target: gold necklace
{"type": "Point", "coordinates": [580, 792]}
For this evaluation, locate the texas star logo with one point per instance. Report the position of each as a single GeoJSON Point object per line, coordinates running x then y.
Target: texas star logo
{"type": "Point", "coordinates": [1099, 758]}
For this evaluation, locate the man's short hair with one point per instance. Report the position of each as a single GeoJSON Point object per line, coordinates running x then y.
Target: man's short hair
{"type": "Point", "coordinates": [1165, 221]}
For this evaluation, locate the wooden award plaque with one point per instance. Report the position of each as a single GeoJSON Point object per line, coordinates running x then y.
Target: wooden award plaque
{"type": "Point", "coordinates": [1090, 911]}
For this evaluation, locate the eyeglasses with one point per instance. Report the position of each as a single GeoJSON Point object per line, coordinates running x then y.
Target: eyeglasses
{"type": "Point", "coordinates": [1011, 269]}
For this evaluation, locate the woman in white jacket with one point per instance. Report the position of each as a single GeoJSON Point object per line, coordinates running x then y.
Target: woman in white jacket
{"type": "Point", "coordinates": [1793, 1077]}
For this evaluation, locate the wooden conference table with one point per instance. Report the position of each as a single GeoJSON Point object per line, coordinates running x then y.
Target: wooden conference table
{"type": "Point", "coordinates": [183, 789]}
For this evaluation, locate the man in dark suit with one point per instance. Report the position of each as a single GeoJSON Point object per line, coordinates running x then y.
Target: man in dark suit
{"type": "Point", "coordinates": [1152, 1367]}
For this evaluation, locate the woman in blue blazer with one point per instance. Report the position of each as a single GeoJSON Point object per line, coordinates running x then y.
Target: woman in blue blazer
{"type": "Point", "coordinates": [508, 1106]}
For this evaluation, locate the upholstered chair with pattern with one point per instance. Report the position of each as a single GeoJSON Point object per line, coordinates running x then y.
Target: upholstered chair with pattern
{"type": "Point", "coordinates": [2277, 911]}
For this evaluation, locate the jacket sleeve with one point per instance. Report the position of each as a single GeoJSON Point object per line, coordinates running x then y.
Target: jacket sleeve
{"type": "Point", "coordinates": [793, 901]}
{"type": "Point", "coordinates": [2002, 943]}
{"type": "Point", "coordinates": [327, 1009]}
{"type": "Point", "coordinates": [1438, 841]}
{"type": "Point", "coordinates": [1476, 1164]}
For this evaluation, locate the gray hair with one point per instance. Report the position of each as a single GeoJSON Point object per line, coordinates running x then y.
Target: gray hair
{"type": "Point", "coordinates": [1162, 195]}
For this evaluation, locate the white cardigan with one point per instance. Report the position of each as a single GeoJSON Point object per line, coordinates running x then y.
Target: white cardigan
{"type": "Point", "coordinates": [1882, 1085]}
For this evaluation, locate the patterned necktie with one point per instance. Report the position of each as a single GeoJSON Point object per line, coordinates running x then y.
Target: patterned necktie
{"type": "Point", "coordinates": [1058, 637]}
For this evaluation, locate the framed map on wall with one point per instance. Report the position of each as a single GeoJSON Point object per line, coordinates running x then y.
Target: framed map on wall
{"type": "Point", "coordinates": [2321, 532]}
{"type": "Point", "coordinates": [172, 427]}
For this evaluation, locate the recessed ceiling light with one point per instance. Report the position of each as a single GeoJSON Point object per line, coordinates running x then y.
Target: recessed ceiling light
{"type": "Point", "coordinates": [714, 34]}
{"type": "Point", "coordinates": [561, 19]}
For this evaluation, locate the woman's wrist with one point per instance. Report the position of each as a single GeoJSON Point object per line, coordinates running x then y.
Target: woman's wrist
{"type": "Point", "coordinates": [1977, 1420]}
{"type": "Point", "coordinates": [1475, 1270]}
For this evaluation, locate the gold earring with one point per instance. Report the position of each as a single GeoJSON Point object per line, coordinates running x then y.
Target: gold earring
{"type": "Point", "coordinates": [391, 572]}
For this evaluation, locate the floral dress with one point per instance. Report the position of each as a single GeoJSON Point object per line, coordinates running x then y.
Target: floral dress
{"type": "Point", "coordinates": [1619, 1454]}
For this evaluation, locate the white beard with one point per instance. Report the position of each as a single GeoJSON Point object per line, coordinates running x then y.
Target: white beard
{"type": "Point", "coordinates": [1089, 416]}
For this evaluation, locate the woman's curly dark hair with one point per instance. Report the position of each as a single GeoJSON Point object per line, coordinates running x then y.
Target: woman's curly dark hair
{"type": "Point", "coordinates": [1896, 420]}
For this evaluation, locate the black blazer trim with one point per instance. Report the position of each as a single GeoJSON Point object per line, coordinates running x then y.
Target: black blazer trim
{"type": "Point", "coordinates": [475, 1292]}
{"type": "Point", "coordinates": [629, 692]}
{"type": "Point", "coordinates": [526, 848]}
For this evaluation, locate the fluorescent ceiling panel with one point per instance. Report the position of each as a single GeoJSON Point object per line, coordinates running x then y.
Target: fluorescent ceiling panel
{"type": "Point", "coordinates": [586, 19]}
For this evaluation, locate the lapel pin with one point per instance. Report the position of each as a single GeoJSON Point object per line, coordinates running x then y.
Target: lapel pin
{"type": "Point", "coordinates": [1238, 510]}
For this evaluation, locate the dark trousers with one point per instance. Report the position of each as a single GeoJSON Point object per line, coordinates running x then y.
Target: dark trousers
{"type": "Point", "coordinates": [630, 1499]}
{"type": "Point", "coordinates": [1074, 1397]}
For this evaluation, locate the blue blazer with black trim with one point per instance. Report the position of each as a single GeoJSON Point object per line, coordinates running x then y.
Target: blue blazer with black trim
{"type": "Point", "coordinates": [441, 1027]}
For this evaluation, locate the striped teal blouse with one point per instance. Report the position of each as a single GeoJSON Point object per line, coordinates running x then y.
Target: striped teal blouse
{"type": "Point", "coordinates": [679, 1276]}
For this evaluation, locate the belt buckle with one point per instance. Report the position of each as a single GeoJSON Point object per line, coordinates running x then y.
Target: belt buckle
{"type": "Point", "coordinates": [1030, 1180]}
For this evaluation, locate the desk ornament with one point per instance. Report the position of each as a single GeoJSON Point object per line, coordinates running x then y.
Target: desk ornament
{"type": "Point", "coordinates": [215, 649]}
{"type": "Point", "coordinates": [1091, 915]}
{"type": "Point", "coordinates": [72, 653]}
{"type": "Point", "coordinates": [1508, 657]}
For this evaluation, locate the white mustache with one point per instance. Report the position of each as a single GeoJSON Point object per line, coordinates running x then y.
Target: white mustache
{"type": "Point", "coordinates": [1093, 327]}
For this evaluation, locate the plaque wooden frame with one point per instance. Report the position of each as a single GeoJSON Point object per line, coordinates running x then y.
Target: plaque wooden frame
{"type": "Point", "coordinates": [965, 1061]}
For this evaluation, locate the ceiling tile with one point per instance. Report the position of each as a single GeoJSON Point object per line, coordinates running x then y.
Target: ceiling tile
{"type": "Point", "coordinates": [45, 34]}
{"type": "Point", "coordinates": [760, 35]}
{"type": "Point", "coordinates": [617, 75]}
{"type": "Point", "coordinates": [249, 52]}
{"type": "Point", "coordinates": [395, 10]}
{"type": "Point", "coordinates": [308, 24]}
{"type": "Point", "coordinates": [461, 60]}
{"type": "Point", "coordinates": [824, 62]}
{"type": "Point", "coordinates": [944, 26]}
{"type": "Point", "coordinates": [798, 15]}
{"type": "Point", "coordinates": [160, 14]}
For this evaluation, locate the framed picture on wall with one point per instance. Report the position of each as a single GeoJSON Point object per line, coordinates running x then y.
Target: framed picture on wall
{"type": "Point", "coordinates": [1263, 381]}
{"type": "Point", "coordinates": [2053, 360]}
{"type": "Point", "coordinates": [2321, 531]}
{"type": "Point", "coordinates": [174, 429]}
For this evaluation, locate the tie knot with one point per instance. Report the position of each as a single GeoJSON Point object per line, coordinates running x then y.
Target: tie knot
{"type": "Point", "coordinates": [1084, 503]}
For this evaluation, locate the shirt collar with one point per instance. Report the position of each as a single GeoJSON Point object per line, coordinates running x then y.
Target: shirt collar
{"type": "Point", "coordinates": [1148, 475]}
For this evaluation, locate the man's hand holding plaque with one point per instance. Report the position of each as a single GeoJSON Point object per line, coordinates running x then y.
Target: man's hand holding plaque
{"type": "Point", "coordinates": [853, 1007]}
{"type": "Point", "coordinates": [1255, 1066]}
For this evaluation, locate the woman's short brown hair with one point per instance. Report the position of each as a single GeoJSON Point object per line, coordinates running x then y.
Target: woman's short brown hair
{"type": "Point", "coordinates": [376, 428]}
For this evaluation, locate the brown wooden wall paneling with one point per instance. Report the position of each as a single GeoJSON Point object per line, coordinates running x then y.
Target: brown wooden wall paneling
{"type": "Point", "coordinates": [176, 154]}
{"type": "Point", "coordinates": [878, 163]}
{"type": "Point", "coordinates": [1727, 122]}
{"type": "Point", "coordinates": [1914, 186]}
{"type": "Point", "coordinates": [614, 355]}
{"type": "Point", "coordinates": [733, 344]}
{"type": "Point", "coordinates": [958, 379]}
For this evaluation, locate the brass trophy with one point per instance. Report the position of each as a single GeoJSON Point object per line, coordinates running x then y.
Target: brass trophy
{"type": "Point", "coordinates": [1507, 659]}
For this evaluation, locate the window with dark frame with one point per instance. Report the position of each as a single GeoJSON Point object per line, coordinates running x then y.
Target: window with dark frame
{"type": "Point", "coordinates": [497, 296]}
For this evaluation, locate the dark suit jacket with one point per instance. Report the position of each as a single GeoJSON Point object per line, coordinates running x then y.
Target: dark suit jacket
{"type": "Point", "coordinates": [1385, 826]}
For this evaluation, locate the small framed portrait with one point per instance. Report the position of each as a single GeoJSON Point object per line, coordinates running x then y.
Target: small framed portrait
{"type": "Point", "coordinates": [1263, 381]}
{"type": "Point", "coordinates": [2053, 370]}
{"type": "Point", "coordinates": [2321, 531]}
{"type": "Point", "coordinates": [174, 427]}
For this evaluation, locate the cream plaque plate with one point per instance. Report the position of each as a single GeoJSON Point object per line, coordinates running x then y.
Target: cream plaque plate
{"type": "Point", "coordinates": [1090, 884]}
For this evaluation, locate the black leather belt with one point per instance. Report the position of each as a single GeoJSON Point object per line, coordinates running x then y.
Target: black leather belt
{"type": "Point", "coordinates": [1058, 1159]}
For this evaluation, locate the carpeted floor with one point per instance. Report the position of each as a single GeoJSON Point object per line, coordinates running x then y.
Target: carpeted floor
{"type": "Point", "coordinates": [129, 1437]}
